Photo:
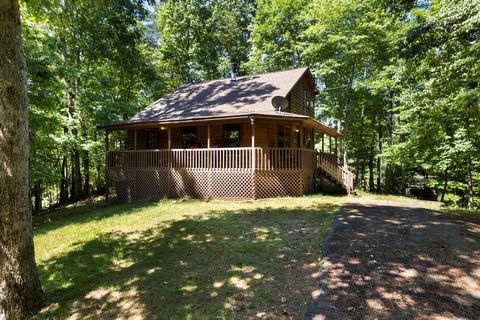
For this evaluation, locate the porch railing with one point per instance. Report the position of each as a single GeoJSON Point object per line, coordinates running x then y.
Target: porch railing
{"type": "Point", "coordinates": [230, 159]}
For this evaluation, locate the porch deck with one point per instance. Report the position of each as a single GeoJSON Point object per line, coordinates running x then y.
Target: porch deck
{"type": "Point", "coordinates": [231, 173]}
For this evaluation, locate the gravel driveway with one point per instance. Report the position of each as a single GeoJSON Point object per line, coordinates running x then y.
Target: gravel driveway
{"type": "Point", "coordinates": [387, 260]}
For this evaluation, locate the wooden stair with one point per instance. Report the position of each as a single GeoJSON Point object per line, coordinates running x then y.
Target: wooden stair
{"type": "Point", "coordinates": [334, 172]}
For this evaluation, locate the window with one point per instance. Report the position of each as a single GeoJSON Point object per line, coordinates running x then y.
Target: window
{"type": "Point", "coordinates": [284, 137]}
{"type": "Point", "coordinates": [189, 137]}
{"type": "Point", "coordinates": [152, 139]}
{"type": "Point", "coordinates": [232, 136]}
{"type": "Point", "coordinates": [308, 102]}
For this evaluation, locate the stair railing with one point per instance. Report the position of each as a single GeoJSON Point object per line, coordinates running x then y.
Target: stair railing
{"type": "Point", "coordinates": [341, 175]}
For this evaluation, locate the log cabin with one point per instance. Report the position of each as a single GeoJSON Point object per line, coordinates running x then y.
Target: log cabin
{"type": "Point", "coordinates": [241, 138]}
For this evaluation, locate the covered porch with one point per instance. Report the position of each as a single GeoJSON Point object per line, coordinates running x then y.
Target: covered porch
{"type": "Point", "coordinates": [243, 158]}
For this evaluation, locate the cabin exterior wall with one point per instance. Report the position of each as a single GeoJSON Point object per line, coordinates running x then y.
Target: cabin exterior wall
{"type": "Point", "coordinates": [266, 136]}
{"type": "Point", "coordinates": [298, 98]}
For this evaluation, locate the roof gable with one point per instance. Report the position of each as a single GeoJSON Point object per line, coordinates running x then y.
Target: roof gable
{"type": "Point", "coordinates": [217, 98]}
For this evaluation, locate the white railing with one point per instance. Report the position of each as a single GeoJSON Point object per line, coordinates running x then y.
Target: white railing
{"type": "Point", "coordinates": [232, 159]}
{"type": "Point", "coordinates": [278, 158]}
{"type": "Point", "coordinates": [216, 158]}
{"type": "Point", "coordinates": [138, 159]}
{"type": "Point", "coordinates": [336, 171]}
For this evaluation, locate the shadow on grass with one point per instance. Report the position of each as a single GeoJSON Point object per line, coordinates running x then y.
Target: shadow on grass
{"type": "Point", "coordinates": [84, 213]}
{"type": "Point", "coordinates": [400, 262]}
{"type": "Point", "coordinates": [238, 264]}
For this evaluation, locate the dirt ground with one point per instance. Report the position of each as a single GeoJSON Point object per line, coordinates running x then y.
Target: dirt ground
{"type": "Point", "coordinates": [387, 260]}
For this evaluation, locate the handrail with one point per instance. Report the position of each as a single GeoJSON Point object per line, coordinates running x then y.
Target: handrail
{"type": "Point", "coordinates": [340, 174]}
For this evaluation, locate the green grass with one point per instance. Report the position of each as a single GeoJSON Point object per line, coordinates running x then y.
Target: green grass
{"type": "Point", "coordinates": [431, 205]}
{"type": "Point", "coordinates": [396, 198]}
{"type": "Point", "coordinates": [182, 259]}
{"type": "Point", "coordinates": [473, 214]}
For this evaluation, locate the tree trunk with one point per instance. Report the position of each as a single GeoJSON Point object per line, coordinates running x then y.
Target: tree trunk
{"type": "Point", "coordinates": [362, 176]}
{"type": "Point", "coordinates": [371, 183]}
{"type": "Point", "coordinates": [469, 183]}
{"type": "Point", "coordinates": [403, 186]}
{"type": "Point", "coordinates": [20, 290]}
{"type": "Point", "coordinates": [339, 129]}
{"type": "Point", "coordinates": [345, 138]}
{"type": "Point", "coordinates": [37, 193]}
{"type": "Point", "coordinates": [445, 184]}
{"type": "Point", "coordinates": [379, 160]}
{"type": "Point", "coordinates": [469, 161]}
{"type": "Point", "coordinates": [360, 151]}
{"type": "Point", "coordinates": [97, 170]}
{"type": "Point", "coordinates": [64, 182]}
{"type": "Point", "coordinates": [70, 96]}
{"type": "Point", "coordinates": [76, 193]}
{"type": "Point", "coordinates": [389, 168]}
{"type": "Point", "coordinates": [86, 173]}
{"type": "Point", "coordinates": [98, 184]}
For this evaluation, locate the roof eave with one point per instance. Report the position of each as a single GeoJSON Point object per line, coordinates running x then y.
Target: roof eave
{"type": "Point", "coordinates": [283, 115]}
{"type": "Point", "coordinates": [202, 119]}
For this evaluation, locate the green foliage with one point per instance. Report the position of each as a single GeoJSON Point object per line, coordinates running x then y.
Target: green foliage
{"type": "Point", "coordinates": [399, 78]}
{"type": "Point", "coordinates": [198, 39]}
{"type": "Point", "coordinates": [439, 97]}
{"type": "Point", "coordinates": [88, 65]}
{"type": "Point", "coordinates": [277, 35]}
{"type": "Point", "coordinates": [186, 38]}
{"type": "Point", "coordinates": [451, 199]}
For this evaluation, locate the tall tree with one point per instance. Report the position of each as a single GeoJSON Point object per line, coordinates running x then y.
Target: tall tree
{"type": "Point", "coordinates": [441, 93]}
{"type": "Point", "coordinates": [90, 64]}
{"type": "Point", "coordinates": [349, 43]}
{"type": "Point", "coordinates": [187, 40]}
{"type": "Point", "coordinates": [20, 290]}
{"type": "Point", "coordinates": [232, 20]}
{"type": "Point", "coordinates": [277, 33]}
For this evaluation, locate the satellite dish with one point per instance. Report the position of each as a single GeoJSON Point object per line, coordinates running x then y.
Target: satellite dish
{"type": "Point", "coordinates": [280, 103]}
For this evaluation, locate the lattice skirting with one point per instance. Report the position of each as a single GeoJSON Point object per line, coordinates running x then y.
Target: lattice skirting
{"type": "Point", "coordinates": [278, 183]}
{"type": "Point", "coordinates": [127, 185]}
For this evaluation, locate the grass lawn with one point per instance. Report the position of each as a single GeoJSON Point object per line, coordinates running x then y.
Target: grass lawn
{"type": "Point", "coordinates": [183, 259]}
{"type": "Point", "coordinates": [431, 205]}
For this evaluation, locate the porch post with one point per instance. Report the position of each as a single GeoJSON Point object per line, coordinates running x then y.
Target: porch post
{"type": "Point", "coordinates": [209, 164]}
{"type": "Point", "coordinates": [301, 135]}
{"type": "Point", "coordinates": [208, 136]}
{"type": "Point", "coordinates": [330, 144]}
{"type": "Point", "coordinates": [134, 139]}
{"type": "Point", "coordinates": [336, 149]}
{"type": "Point", "coordinates": [252, 123]}
{"type": "Point", "coordinates": [323, 142]}
{"type": "Point", "coordinates": [169, 138]}
{"type": "Point", "coordinates": [170, 180]}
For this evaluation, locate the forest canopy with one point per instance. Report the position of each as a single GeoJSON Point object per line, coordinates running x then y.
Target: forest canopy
{"type": "Point", "coordinates": [398, 78]}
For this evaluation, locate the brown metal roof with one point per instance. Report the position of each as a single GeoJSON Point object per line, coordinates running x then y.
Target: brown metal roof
{"type": "Point", "coordinates": [218, 99]}
{"type": "Point", "coordinates": [250, 94]}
